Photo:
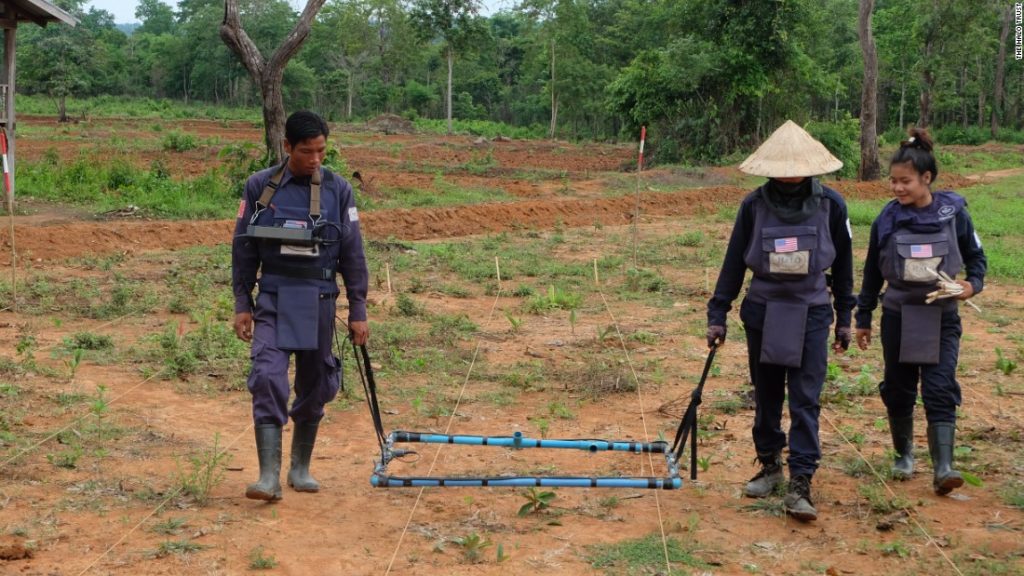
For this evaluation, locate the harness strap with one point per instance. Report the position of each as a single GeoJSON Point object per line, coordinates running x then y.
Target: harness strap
{"type": "Point", "coordinates": [275, 181]}
{"type": "Point", "coordinates": [301, 272]}
{"type": "Point", "coordinates": [314, 196]}
{"type": "Point", "coordinates": [271, 187]}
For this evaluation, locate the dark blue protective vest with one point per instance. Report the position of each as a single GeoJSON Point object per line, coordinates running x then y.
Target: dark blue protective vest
{"type": "Point", "coordinates": [290, 207]}
{"type": "Point", "coordinates": [911, 257]}
{"type": "Point", "coordinates": [789, 260]}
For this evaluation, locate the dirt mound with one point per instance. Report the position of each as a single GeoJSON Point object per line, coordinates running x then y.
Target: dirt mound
{"type": "Point", "coordinates": [391, 124]}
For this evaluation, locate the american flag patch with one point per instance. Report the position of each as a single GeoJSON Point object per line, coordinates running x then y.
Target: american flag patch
{"type": "Point", "coordinates": [920, 250]}
{"type": "Point", "coordinates": [241, 208]}
{"type": "Point", "coordinates": [785, 244]}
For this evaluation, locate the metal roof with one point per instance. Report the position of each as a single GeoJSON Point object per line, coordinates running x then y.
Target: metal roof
{"type": "Point", "coordinates": [39, 11]}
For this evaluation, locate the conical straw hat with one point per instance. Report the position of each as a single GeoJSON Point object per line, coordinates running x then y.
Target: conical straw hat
{"type": "Point", "coordinates": [790, 152]}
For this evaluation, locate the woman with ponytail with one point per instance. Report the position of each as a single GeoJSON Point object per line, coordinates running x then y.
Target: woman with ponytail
{"type": "Point", "coordinates": [919, 243]}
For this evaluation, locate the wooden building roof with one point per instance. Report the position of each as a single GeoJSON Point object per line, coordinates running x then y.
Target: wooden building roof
{"type": "Point", "coordinates": [41, 12]}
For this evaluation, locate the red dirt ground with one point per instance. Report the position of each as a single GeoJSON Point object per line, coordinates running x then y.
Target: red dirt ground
{"type": "Point", "coordinates": [351, 528]}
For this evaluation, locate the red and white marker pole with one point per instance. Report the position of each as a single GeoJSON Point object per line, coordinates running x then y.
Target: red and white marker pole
{"type": "Point", "coordinates": [7, 168]}
{"type": "Point", "coordinates": [640, 161]}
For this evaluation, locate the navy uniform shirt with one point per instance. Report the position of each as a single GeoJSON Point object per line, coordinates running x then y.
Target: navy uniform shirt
{"type": "Point", "coordinates": [343, 252]}
{"type": "Point", "coordinates": [730, 278]}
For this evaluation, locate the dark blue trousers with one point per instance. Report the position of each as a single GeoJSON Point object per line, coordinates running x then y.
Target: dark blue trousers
{"type": "Point", "coordinates": [317, 374]}
{"type": "Point", "coordinates": [804, 384]}
{"type": "Point", "coordinates": [940, 391]}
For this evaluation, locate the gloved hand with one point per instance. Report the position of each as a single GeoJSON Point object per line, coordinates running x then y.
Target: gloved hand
{"type": "Point", "coordinates": [716, 335]}
{"type": "Point", "coordinates": [843, 337]}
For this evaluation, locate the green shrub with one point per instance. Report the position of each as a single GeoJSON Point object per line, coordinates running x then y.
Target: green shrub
{"type": "Point", "coordinates": [842, 139]}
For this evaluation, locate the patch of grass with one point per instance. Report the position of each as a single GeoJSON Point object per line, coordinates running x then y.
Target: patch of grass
{"type": "Point", "coordinates": [177, 548]}
{"type": "Point", "coordinates": [880, 501]}
{"type": "Point", "coordinates": [170, 526]}
{"type": "Point", "coordinates": [205, 473]}
{"type": "Point", "coordinates": [1013, 494]}
{"type": "Point", "coordinates": [641, 556]}
{"type": "Point", "coordinates": [259, 561]}
{"type": "Point", "coordinates": [553, 299]}
{"type": "Point", "coordinates": [473, 546]}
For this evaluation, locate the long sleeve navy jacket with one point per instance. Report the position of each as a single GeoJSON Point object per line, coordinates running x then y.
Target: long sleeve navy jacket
{"type": "Point", "coordinates": [730, 278]}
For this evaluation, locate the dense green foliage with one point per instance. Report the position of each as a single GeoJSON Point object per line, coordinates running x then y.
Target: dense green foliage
{"type": "Point", "coordinates": [708, 77]}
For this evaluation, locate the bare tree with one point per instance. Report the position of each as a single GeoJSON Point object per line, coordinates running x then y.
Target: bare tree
{"type": "Point", "coordinates": [268, 74]}
{"type": "Point", "coordinates": [997, 98]}
{"type": "Point", "coordinates": [869, 164]}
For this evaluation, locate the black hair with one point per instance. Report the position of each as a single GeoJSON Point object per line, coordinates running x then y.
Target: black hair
{"type": "Point", "coordinates": [303, 125]}
{"type": "Point", "coordinates": [918, 151]}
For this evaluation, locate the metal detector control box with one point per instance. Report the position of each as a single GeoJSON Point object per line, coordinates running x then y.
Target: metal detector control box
{"type": "Point", "coordinates": [302, 236]}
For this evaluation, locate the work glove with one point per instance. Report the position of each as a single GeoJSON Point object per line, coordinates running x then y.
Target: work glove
{"type": "Point", "coordinates": [843, 337]}
{"type": "Point", "coordinates": [716, 336]}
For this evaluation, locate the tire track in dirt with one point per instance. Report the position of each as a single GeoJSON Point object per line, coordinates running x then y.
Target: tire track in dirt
{"type": "Point", "coordinates": [77, 239]}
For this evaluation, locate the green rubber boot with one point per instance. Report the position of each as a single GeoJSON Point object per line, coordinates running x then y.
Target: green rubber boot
{"type": "Point", "coordinates": [303, 440]}
{"type": "Point", "coordinates": [941, 439]}
{"type": "Point", "coordinates": [268, 448]}
{"type": "Point", "coordinates": [902, 430]}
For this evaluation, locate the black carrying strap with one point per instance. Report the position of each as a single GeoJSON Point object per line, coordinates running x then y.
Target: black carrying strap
{"type": "Point", "coordinates": [688, 425]}
{"type": "Point", "coordinates": [275, 181]}
{"type": "Point", "coordinates": [301, 272]}
{"type": "Point", "coordinates": [365, 370]}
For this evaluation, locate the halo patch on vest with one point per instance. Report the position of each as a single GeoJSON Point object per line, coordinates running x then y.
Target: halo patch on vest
{"type": "Point", "coordinates": [947, 212]}
{"type": "Point", "coordinates": [353, 214]}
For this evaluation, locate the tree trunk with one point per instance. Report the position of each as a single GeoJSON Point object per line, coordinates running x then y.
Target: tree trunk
{"type": "Point", "coordinates": [448, 98]}
{"type": "Point", "coordinates": [963, 96]}
{"type": "Point", "coordinates": [981, 92]}
{"type": "Point", "coordinates": [267, 74]}
{"type": "Point", "coordinates": [351, 89]}
{"type": "Point", "coordinates": [62, 109]}
{"type": "Point", "coordinates": [928, 80]}
{"type": "Point", "coordinates": [903, 99]}
{"type": "Point", "coordinates": [997, 92]}
{"type": "Point", "coordinates": [554, 96]}
{"type": "Point", "coordinates": [870, 168]}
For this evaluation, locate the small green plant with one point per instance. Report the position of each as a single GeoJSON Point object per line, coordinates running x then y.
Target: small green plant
{"type": "Point", "coordinates": [67, 458]}
{"type": "Point", "coordinates": [473, 546]}
{"type": "Point", "coordinates": [1004, 364]}
{"type": "Point", "coordinates": [560, 410]}
{"type": "Point", "coordinates": [543, 425]}
{"type": "Point", "coordinates": [554, 299]}
{"type": "Point", "coordinates": [515, 324]}
{"type": "Point", "coordinates": [258, 561]}
{"type": "Point", "coordinates": [572, 322]}
{"type": "Point", "coordinates": [536, 501]}
{"type": "Point", "coordinates": [73, 362]}
{"type": "Point", "coordinates": [501, 556]}
{"type": "Point", "coordinates": [170, 527]}
{"type": "Point", "coordinates": [178, 548]}
{"type": "Point", "coordinates": [704, 462]}
{"type": "Point", "coordinates": [178, 141]}
{"type": "Point", "coordinates": [895, 548]}
{"type": "Point", "coordinates": [207, 471]}
{"type": "Point", "coordinates": [406, 306]}
{"type": "Point", "coordinates": [879, 500]}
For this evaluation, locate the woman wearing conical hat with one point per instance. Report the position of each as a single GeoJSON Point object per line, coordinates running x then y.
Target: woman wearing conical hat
{"type": "Point", "coordinates": [788, 232]}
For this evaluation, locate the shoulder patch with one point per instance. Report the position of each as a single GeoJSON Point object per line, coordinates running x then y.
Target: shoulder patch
{"type": "Point", "coordinates": [353, 214]}
{"type": "Point", "coordinates": [241, 209]}
{"type": "Point", "coordinates": [946, 212]}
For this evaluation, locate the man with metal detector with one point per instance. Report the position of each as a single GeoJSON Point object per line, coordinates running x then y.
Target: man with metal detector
{"type": "Point", "coordinates": [298, 227]}
{"type": "Point", "coordinates": [788, 233]}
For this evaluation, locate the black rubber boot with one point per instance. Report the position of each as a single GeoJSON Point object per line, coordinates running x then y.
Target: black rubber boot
{"type": "Point", "coordinates": [941, 439]}
{"type": "Point", "coordinates": [902, 430]}
{"type": "Point", "coordinates": [303, 440]}
{"type": "Point", "coordinates": [268, 448]}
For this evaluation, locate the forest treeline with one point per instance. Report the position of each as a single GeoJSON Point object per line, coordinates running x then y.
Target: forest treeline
{"type": "Point", "coordinates": [708, 77]}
